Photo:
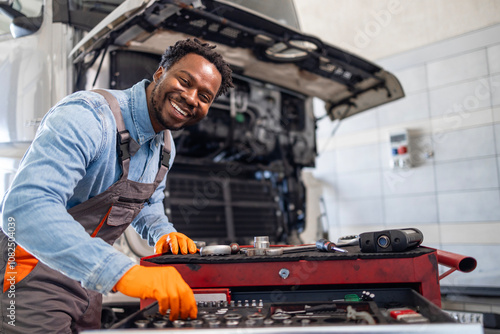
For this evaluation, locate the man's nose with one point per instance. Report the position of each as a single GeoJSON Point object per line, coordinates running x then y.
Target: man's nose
{"type": "Point", "coordinates": [189, 96]}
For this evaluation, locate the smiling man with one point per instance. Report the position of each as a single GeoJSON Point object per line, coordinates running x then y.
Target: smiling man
{"type": "Point", "coordinates": [99, 163]}
{"type": "Point", "coordinates": [182, 95]}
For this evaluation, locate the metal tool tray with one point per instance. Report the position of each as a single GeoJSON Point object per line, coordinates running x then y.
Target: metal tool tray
{"type": "Point", "coordinates": [439, 321]}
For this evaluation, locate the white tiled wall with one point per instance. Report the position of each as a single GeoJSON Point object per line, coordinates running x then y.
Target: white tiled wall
{"type": "Point", "coordinates": [459, 98]}
{"type": "Point", "coordinates": [457, 68]}
{"type": "Point", "coordinates": [472, 173]}
{"type": "Point", "coordinates": [452, 193]}
{"type": "Point", "coordinates": [414, 181]}
{"type": "Point", "coordinates": [411, 108]}
{"type": "Point", "coordinates": [469, 206]}
{"type": "Point", "coordinates": [464, 144]}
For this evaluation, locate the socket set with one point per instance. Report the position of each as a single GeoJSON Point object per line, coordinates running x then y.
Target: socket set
{"type": "Point", "coordinates": [256, 313]}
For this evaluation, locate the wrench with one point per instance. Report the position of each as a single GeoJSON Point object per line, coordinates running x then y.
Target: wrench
{"type": "Point", "coordinates": [287, 250]}
{"type": "Point", "coordinates": [321, 244]}
{"type": "Point", "coordinates": [348, 240]}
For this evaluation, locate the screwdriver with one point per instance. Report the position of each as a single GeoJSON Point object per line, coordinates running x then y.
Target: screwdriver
{"type": "Point", "coordinates": [328, 246]}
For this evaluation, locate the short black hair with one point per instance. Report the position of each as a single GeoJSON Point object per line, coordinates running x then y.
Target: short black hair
{"type": "Point", "coordinates": [181, 48]}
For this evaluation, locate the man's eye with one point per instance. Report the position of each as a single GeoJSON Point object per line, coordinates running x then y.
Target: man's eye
{"type": "Point", "coordinates": [183, 80]}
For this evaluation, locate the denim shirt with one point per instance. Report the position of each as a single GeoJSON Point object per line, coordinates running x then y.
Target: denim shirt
{"type": "Point", "coordinates": [73, 158]}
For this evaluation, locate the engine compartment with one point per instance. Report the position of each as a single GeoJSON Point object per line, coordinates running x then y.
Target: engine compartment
{"type": "Point", "coordinates": [237, 172]}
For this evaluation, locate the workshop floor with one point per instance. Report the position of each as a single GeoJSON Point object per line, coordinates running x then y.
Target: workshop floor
{"type": "Point", "coordinates": [473, 305]}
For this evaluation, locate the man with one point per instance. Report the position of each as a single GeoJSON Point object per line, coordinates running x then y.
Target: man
{"type": "Point", "coordinates": [98, 163]}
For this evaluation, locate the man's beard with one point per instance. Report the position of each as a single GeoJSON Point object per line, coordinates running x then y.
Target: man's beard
{"type": "Point", "coordinates": [157, 111]}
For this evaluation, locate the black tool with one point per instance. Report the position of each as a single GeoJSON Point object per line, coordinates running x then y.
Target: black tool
{"type": "Point", "coordinates": [307, 308]}
{"type": "Point", "coordinates": [390, 240]}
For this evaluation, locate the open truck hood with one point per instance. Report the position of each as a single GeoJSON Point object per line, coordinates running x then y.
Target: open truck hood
{"type": "Point", "coordinates": [256, 46]}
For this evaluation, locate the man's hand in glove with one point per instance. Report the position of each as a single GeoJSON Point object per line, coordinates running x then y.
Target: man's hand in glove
{"type": "Point", "coordinates": [164, 284]}
{"type": "Point", "coordinates": [173, 242]}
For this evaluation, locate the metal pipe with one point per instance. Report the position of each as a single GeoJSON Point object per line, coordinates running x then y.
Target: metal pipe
{"type": "Point", "coordinates": [455, 261]}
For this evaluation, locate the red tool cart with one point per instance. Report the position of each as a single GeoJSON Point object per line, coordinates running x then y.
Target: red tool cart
{"type": "Point", "coordinates": [318, 271]}
{"type": "Point", "coordinates": [397, 292]}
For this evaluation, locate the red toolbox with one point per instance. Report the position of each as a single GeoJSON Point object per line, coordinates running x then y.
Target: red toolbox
{"type": "Point", "coordinates": [312, 291]}
{"type": "Point", "coordinates": [309, 271]}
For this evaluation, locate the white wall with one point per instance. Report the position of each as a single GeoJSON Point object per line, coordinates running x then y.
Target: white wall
{"type": "Point", "coordinates": [452, 111]}
{"type": "Point", "coordinates": [380, 28]}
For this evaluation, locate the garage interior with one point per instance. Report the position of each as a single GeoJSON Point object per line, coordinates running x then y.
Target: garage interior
{"type": "Point", "coordinates": [446, 55]}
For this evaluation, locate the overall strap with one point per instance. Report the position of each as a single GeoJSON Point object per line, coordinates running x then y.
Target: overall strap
{"type": "Point", "coordinates": [126, 146]}
{"type": "Point", "coordinates": [167, 148]}
{"type": "Point", "coordinates": [164, 163]}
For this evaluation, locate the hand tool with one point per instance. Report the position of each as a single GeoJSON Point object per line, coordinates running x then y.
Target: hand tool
{"type": "Point", "coordinates": [235, 248]}
{"type": "Point", "coordinates": [261, 242]}
{"type": "Point", "coordinates": [212, 250]}
{"type": "Point", "coordinates": [321, 245]}
{"type": "Point", "coordinates": [248, 251]}
{"type": "Point", "coordinates": [328, 246]}
{"type": "Point", "coordinates": [308, 308]}
{"type": "Point", "coordinates": [199, 244]}
{"type": "Point", "coordinates": [354, 315]}
{"type": "Point", "coordinates": [276, 251]}
{"type": "Point", "coordinates": [348, 240]}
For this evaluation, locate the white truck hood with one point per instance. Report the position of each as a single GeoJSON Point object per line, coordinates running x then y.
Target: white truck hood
{"type": "Point", "coordinates": [256, 46]}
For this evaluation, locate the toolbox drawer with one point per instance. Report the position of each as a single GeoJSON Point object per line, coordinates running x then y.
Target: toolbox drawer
{"type": "Point", "coordinates": [257, 316]}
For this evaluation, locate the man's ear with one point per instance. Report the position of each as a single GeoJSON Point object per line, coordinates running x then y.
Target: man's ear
{"type": "Point", "coordinates": [157, 75]}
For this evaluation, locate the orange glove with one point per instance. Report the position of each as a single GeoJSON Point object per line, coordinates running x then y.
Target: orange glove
{"type": "Point", "coordinates": [164, 284]}
{"type": "Point", "coordinates": [173, 241]}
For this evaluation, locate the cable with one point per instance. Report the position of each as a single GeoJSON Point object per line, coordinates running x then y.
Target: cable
{"type": "Point", "coordinates": [346, 111]}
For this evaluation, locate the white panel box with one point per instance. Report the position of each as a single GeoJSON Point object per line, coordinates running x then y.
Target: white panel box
{"type": "Point", "coordinates": [400, 149]}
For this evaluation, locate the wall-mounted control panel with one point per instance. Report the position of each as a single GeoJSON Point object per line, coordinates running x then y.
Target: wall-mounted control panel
{"type": "Point", "coordinates": [400, 149]}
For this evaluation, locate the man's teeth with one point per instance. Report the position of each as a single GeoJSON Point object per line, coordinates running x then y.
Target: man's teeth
{"type": "Point", "coordinates": [176, 107]}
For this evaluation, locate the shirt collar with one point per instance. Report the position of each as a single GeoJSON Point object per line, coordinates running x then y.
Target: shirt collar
{"type": "Point", "coordinates": [140, 114]}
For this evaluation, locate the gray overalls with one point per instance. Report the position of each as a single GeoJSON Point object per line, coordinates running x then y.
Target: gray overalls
{"type": "Point", "coordinates": [51, 301]}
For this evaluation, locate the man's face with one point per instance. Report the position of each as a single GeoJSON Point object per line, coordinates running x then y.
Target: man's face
{"type": "Point", "coordinates": [182, 95]}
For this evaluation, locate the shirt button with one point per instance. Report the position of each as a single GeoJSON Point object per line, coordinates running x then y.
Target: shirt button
{"type": "Point", "coordinates": [98, 286]}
